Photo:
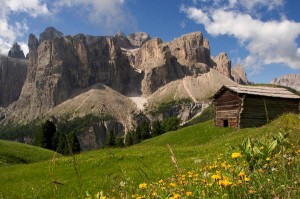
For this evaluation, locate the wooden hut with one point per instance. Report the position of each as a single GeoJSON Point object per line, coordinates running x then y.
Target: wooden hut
{"type": "Point", "coordinates": [250, 106]}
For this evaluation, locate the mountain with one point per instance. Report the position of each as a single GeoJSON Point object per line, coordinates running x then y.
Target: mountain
{"type": "Point", "coordinates": [289, 80]}
{"type": "Point", "coordinates": [123, 77]}
{"type": "Point", "coordinates": [12, 76]}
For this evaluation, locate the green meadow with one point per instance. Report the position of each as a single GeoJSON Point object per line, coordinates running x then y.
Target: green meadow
{"type": "Point", "coordinates": [31, 172]}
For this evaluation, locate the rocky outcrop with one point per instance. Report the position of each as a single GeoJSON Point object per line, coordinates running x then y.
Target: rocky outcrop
{"type": "Point", "coordinates": [16, 52]}
{"type": "Point", "coordinates": [12, 77]}
{"type": "Point", "coordinates": [239, 75]}
{"type": "Point", "coordinates": [60, 67]}
{"type": "Point", "coordinates": [123, 41]}
{"type": "Point", "coordinates": [95, 136]}
{"type": "Point", "coordinates": [50, 33]}
{"type": "Point", "coordinates": [138, 39]}
{"type": "Point", "coordinates": [289, 80]}
{"type": "Point", "coordinates": [223, 64]}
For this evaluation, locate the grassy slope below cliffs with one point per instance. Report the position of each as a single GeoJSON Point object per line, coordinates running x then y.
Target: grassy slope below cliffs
{"type": "Point", "coordinates": [17, 153]}
{"type": "Point", "coordinates": [148, 161]}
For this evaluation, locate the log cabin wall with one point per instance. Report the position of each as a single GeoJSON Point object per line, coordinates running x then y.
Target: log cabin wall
{"type": "Point", "coordinates": [227, 109]}
{"type": "Point", "coordinates": [258, 110]}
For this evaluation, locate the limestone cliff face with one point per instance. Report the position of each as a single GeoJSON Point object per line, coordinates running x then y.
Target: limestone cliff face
{"type": "Point", "coordinates": [60, 66]}
{"type": "Point", "coordinates": [63, 67]}
{"type": "Point", "coordinates": [162, 62]}
{"type": "Point", "coordinates": [223, 64]}
{"type": "Point", "coordinates": [289, 80]}
{"type": "Point", "coordinates": [12, 77]}
{"type": "Point", "coordinates": [239, 75]}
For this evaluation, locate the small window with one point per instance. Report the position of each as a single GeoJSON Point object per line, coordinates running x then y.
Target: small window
{"type": "Point", "coordinates": [225, 123]}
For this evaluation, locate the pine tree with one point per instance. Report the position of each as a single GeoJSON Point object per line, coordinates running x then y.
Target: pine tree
{"type": "Point", "coordinates": [157, 128]}
{"type": "Point", "coordinates": [46, 137]}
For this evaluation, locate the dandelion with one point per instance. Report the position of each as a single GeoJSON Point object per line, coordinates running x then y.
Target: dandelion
{"type": "Point", "coordinates": [188, 193]}
{"type": "Point", "coordinates": [143, 186]}
{"type": "Point", "coordinates": [172, 184]}
{"type": "Point", "coordinates": [236, 155]}
{"type": "Point", "coordinates": [268, 159]}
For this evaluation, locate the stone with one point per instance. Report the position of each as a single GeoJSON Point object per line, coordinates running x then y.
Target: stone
{"type": "Point", "coordinates": [239, 75]}
{"type": "Point", "coordinates": [49, 34]}
{"type": "Point", "coordinates": [16, 52]}
{"type": "Point", "coordinates": [12, 77]}
{"type": "Point", "coordinates": [223, 64]}
{"type": "Point", "coordinates": [289, 80]}
{"type": "Point", "coordinates": [138, 39]}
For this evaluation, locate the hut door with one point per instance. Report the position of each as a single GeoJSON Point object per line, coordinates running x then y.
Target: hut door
{"type": "Point", "coordinates": [225, 123]}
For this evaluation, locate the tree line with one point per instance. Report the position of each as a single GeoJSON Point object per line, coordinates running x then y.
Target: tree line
{"type": "Point", "coordinates": [143, 131]}
{"type": "Point", "coordinates": [50, 138]}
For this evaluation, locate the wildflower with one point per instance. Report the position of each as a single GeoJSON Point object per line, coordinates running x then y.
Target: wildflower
{"type": "Point", "coordinates": [188, 193]}
{"type": "Point", "coordinates": [268, 158]}
{"type": "Point", "coordinates": [224, 183]}
{"type": "Point", "coordinates": [242, 174]}
{"type": "Point", "coordinates": [176, 196]}
{"type": "Point", "coordinates": [172, 184]}
{"type": "Point", "coordinates": [252, 191]}
{"type": "Point", "coordinates": [160, 181]}
{"type": "Point", "coordinates": [246, 179]}
{"type": "Point", "coordinates": [143, 186]}
{"type": "Point", "coordinates": [216, 177]}
{"type": "Point", "coordinates": [236, 155]}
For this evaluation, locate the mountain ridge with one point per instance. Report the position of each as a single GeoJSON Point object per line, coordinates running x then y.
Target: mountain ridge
{"type": "Point", "coordinates": [130, 73]}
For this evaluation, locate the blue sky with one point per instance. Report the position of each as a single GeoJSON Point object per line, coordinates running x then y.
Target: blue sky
{"type": "Point", "coordinates": [262, 35]}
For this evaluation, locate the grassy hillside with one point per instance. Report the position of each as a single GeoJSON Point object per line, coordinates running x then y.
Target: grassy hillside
{"type": "Point", "coordinates": [17, 153]}
{"type": "Point", "coordinates": [107, 170]}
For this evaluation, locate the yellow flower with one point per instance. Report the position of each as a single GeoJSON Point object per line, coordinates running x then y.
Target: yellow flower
{"type": "Point", "coordinates": [216, 177]}
{"type": "Point", "coordinates": [268, 158]}
{"type": "Point", "coordinates": [252, 191]}
{"type": "Point", "coordinates": [172, 184]}
{"type": "Point", "coordinates": [242, 174]}
{"type": "Point", "coordinates": [246, 179]}
{"type": "Point", "coordinates": [224, 183]}
{"type": "Point", "coordinates": [188, 193]}
{"type": "Point", "coordinates": [176, 196]}
{"type": "Point", "coordinates": [236, 155]}
{"type": "Point", "coordinates": [143, 186]}
{"type": "Point", "coordinates": [160, 181]}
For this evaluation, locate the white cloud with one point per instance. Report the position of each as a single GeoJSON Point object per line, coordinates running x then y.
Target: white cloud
{"type": "Point", "coordinates": [268, 42]}
{"type": "Point", "coordinates": [109, 14]}
{"type": "Point", "coordinates": [11, 31]}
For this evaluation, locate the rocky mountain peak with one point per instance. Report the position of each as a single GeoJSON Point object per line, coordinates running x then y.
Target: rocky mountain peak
{"type": "Point", "coordinates": [239, 75]}
{"type": "Point", "coordinates": [223, 64]}
{"type": "Point", "coordinates": [123, 41]}
{"type": "Point", "coordinates": [16, 52]}
{"type": "Point", "coordinates": [289, 80]}
{"type": "Point", "coordinates": [138, 39]}
{"type": "Point", "coordinates": [33, 43]}
{"type": "Point", "coordinates": [189, 49]}
{"type": "Point", "coordinates": [49, 34]}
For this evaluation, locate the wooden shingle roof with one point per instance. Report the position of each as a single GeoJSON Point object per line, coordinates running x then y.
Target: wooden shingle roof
{"type": "Point", "coordinates": [260, 91]}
